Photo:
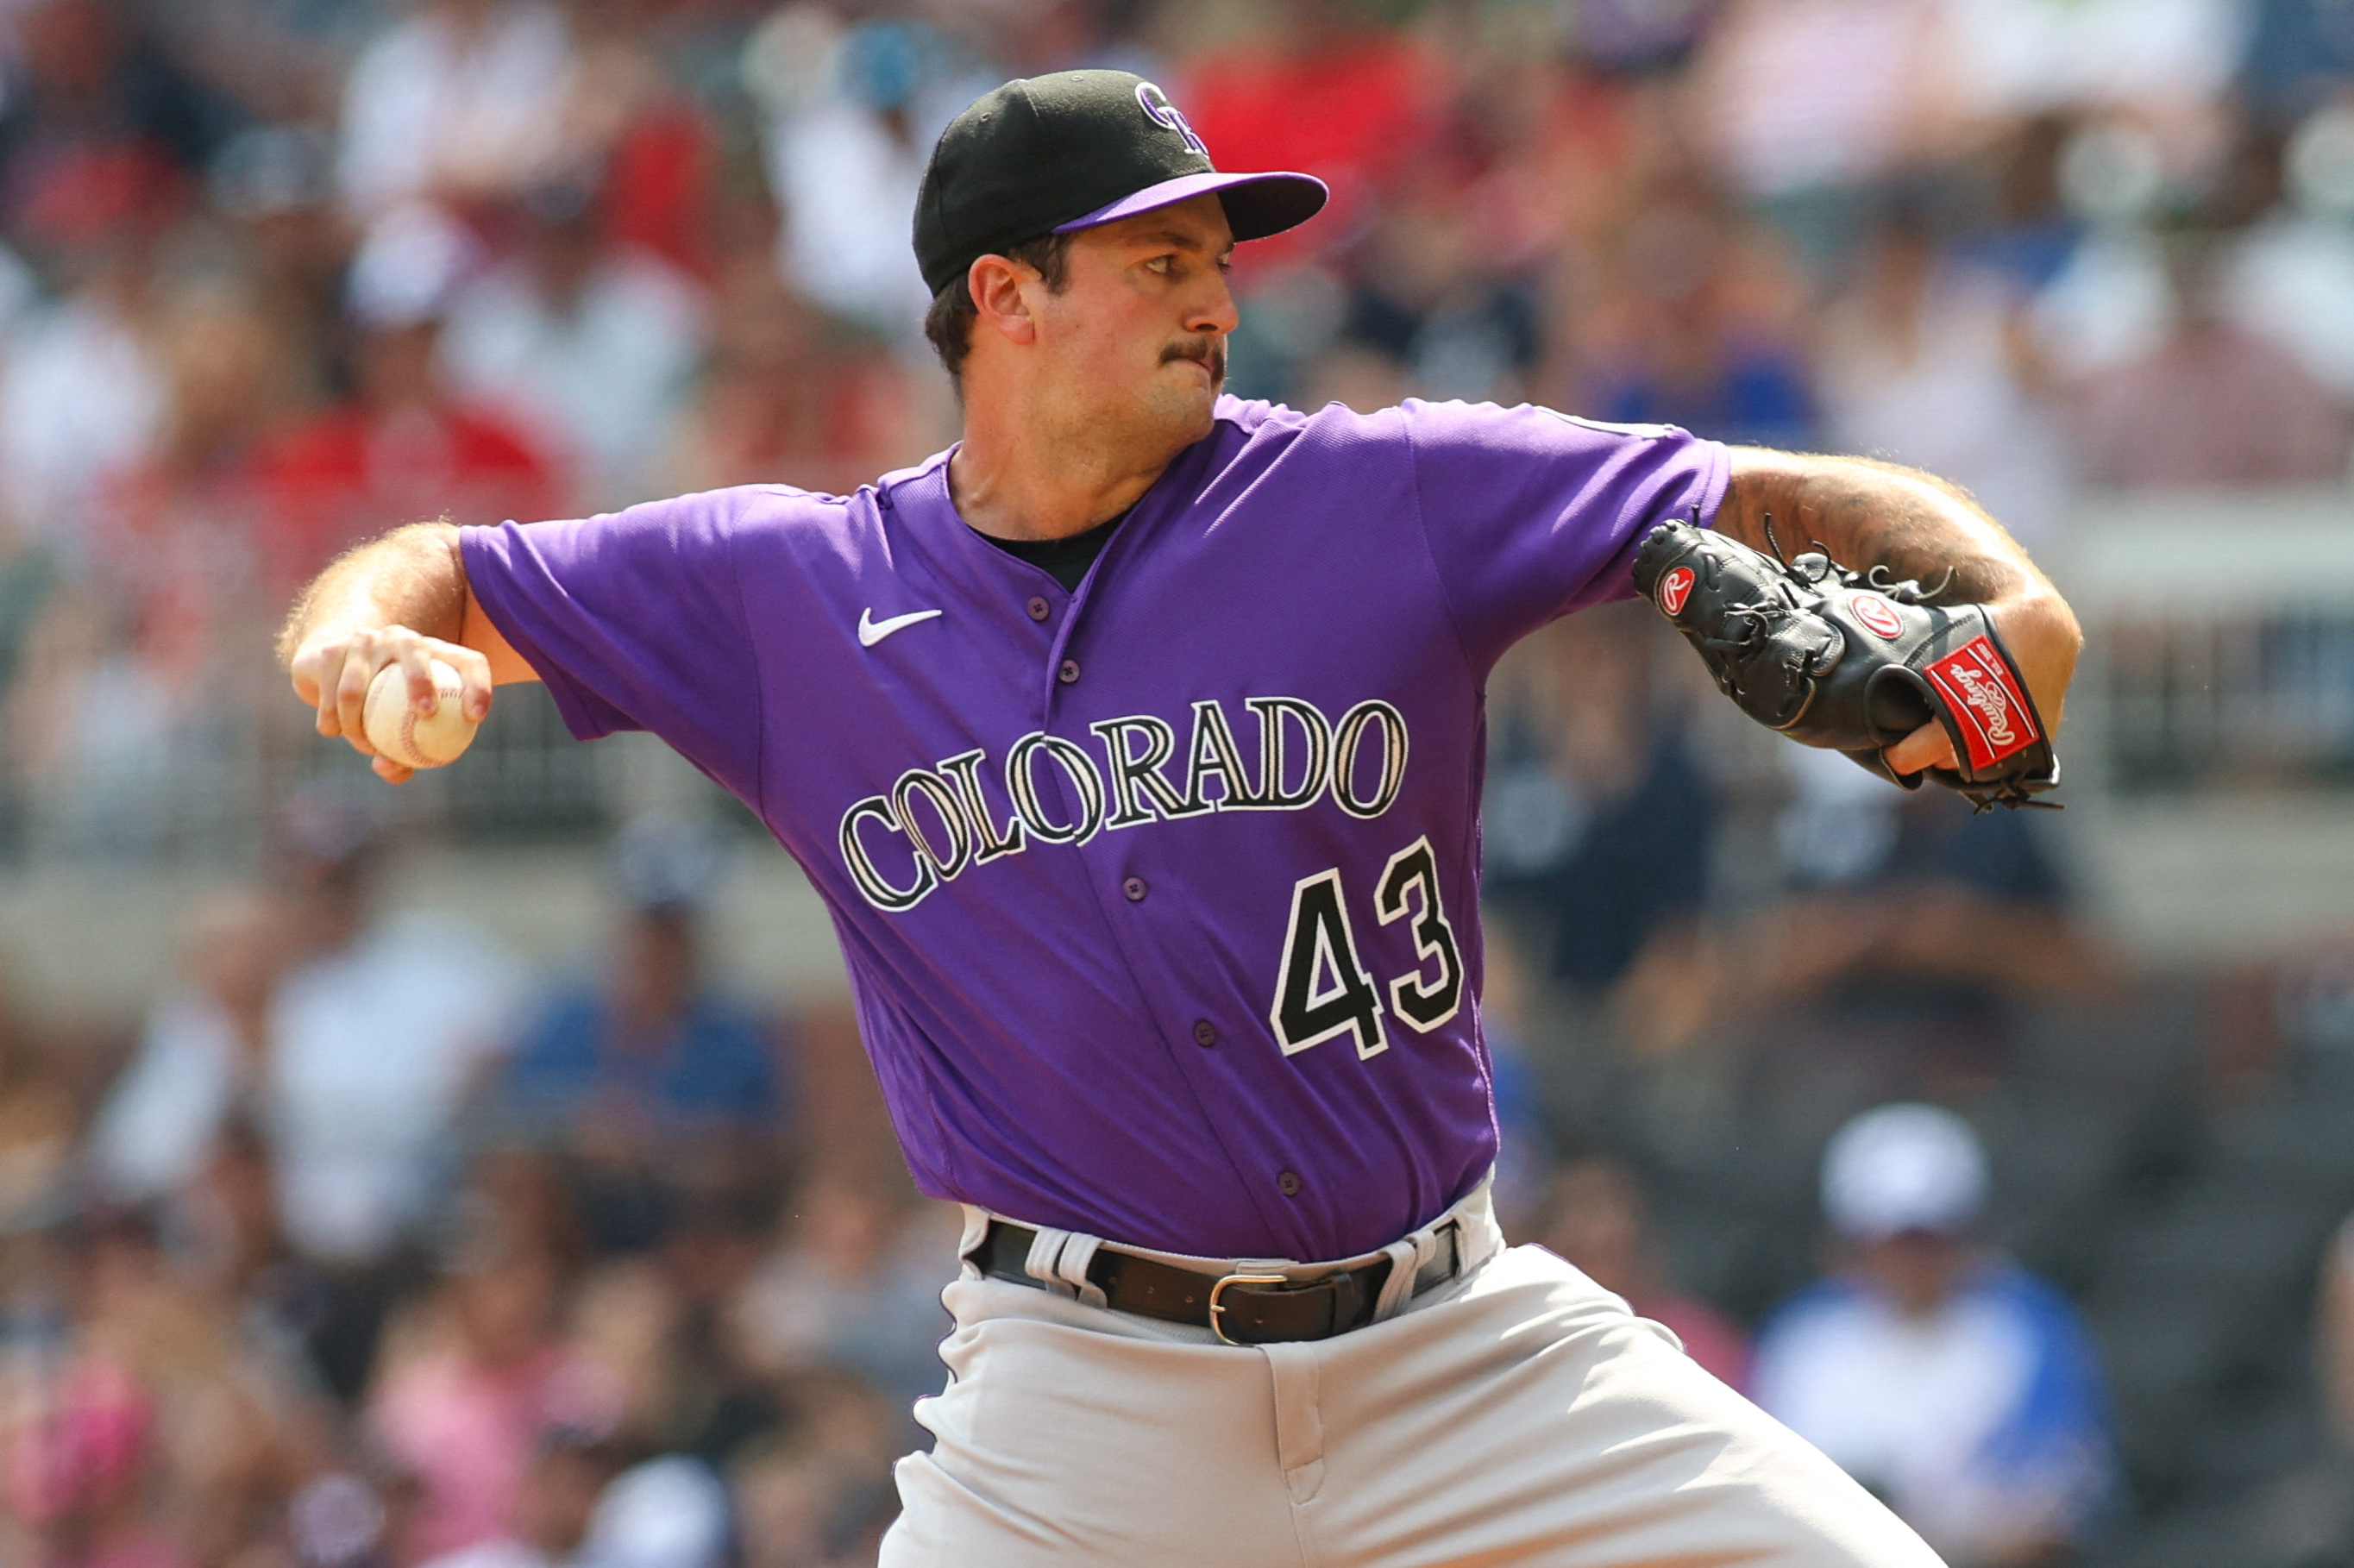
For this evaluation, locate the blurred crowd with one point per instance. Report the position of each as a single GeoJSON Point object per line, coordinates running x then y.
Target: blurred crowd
{"type": "Point", "coordinates": [278, 274]}
{"type": "Point", "coordinates": [377, 1249]}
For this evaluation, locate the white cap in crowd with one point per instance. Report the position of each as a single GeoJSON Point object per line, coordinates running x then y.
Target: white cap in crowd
{"type": "Point", "coordinates": [1901, 1167]}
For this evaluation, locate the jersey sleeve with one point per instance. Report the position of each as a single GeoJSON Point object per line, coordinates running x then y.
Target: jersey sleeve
{"type": "Point", "coordinates": [1532, 513]}
{"type": "Point", "coordinates": [634, 620]}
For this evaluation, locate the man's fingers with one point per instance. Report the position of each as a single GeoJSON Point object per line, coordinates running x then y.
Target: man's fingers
{"type": "Point", "coordinates": [351, 696]}
{"type": "Point", "coordinates": [475, 672]}
{"type": "Point", "coordinates": [392, 772]}
{"type": "Point", "coordinates": [1928, 746]}
{"type": "Point", "coordinates": [417, 663]}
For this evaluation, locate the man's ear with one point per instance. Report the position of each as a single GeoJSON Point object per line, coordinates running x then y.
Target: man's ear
{"type": "Point", "coordinates": [996, 282]}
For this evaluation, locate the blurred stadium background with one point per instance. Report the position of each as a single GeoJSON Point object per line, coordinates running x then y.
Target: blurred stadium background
{"type": "Point", "coordinates": [489, 1168]}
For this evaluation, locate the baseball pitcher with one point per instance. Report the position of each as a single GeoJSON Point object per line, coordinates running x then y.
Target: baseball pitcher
{"type": "Point", "coordinates": [1135, 743]}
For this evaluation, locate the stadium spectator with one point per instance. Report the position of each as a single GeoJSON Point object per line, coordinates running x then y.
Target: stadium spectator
{"type": "Point", "coordinates": [359, 1133]}
{"type": "Point", "coordinates": [274, 188]}
{"type": "Point", "coordinates": [401, 446]}
{"type": "Point", "coordinates": [1963, 1390]}
{"type": "Point", "coordinates": [474, 1383]}
{"type": "Point", "coordinates": [204, 1057]}
{"type": "Point", "coordinates": [1600, 826]}
{"type": "Point", "coordinates": [648, 1055]}
{"type": "Point", "coordinates": [2214, 404]}
{"type": "Point", "coordinates": [1600, 1220]}
{"type": "Point", "coordinates": [1694, 321]}
{"type": "Point", "coordinates": [553, 1505]}
{"type": "Point", "coordinates": [1926, 359]}
{"type": "Point", "coordinates": [851, 115]}
{"type": "Point", "coordinates": [791, 395]}
{"type": "Point", "coordinates": [587, 345]}
{"type": "Point", "coordinates": [651, 143]}
{"type": "Point", "coordinates": [459, 101]}
{"type": "Point", "coordinates": [99, 118]}
{"type": "Point", "coordinates": [84, 391]}
{"type": "Point", "coordinates": [2290, 277]}
{"type": "Point", "coordinates": [1319, 85]}
{"type": "Point", "coordinates": [854, 1286]}
{"type": "Point", "coordinates": [1807, 103]}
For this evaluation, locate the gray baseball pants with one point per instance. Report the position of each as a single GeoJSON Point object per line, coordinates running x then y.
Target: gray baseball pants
{"type": "Point", "coordinates": [1519, 1415]}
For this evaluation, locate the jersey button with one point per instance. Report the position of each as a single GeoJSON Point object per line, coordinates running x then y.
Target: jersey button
{"type": "Point", "coordinates": [1135, 889]}
{"type": "Point", "coordinates": [1039, 609]}
{"type": "Point", "coordinates": [1288, 1183]}
{"type": "Point", "coordinates": [1206, 1033]}
{"type": "Point", "coordinates": [1069, 673]}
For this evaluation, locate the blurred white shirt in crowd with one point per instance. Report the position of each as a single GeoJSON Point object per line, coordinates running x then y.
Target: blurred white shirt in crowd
{"type": "Point", "coordinates": [1950, 401]}
{"type": "Point", "coordinates": [2291, 279]}
{"type": "Point", "coordinates": [2026, 56]}
{"type": "Point", "coordinates": [426, 105]}
{"type": "Point", "coordinates": [81, 394]}
{"type": "Point", "coordinates": [156, 1128]}
{"type": "Point", "coordinates": [1804, 93]}
{"type": "Point", "coordinates": [373, 1050]}
{"type": "Point", "coordinates": [1978, 1424]}
{"type": "Point", "coordinates": [597, 383]}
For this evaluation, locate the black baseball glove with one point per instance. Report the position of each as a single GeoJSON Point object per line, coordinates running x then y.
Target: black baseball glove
{"type": "Point", "coordinates": [1852, 662]}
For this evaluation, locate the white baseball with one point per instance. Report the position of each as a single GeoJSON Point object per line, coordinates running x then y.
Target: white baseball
{"type": "Point", "coordinates": [396, 730]}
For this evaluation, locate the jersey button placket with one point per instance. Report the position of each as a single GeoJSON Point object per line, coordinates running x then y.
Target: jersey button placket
{"type": "Point", "coordinates": [1134, 890]}
{"type": "Point", "coordinates": [1288, 1183]}
{"type": "Point", "coordinates": [1206, 1033]}
{"type": "Point", "coordinates": [1068, 672]}
{"type": "Point", "coordinates": [1038, 608]}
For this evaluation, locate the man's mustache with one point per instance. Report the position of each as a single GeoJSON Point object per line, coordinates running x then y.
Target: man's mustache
{"type": "Point", "coordinates": [1208, 352]}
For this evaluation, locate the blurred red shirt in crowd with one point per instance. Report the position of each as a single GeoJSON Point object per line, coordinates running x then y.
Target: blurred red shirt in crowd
{"type": "Point", "coordinates": [1343, 101]}
{"type": "Point", "coordinates": [398, 452]}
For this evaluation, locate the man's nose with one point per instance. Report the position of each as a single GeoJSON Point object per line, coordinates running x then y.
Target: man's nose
{"type": "Point", "coordinates": [1215, 311]}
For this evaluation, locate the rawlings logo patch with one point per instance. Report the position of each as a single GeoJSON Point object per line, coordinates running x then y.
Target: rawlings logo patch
{"type": "Point", "coordinates": [1879, 617]}
{"type": "Point", "coordinates": [1994, 720]}
{"type": "Point", "coordinates": [1674, 588]}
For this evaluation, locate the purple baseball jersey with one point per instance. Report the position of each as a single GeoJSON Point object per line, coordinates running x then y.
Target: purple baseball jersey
{"type": "Point", "coordinates": [1160, 899]}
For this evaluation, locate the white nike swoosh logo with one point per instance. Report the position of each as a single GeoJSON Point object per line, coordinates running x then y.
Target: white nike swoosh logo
{"type": "Point", "coordinates": [871, 631]}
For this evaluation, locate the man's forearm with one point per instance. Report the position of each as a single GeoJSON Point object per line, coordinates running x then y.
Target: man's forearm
{"type": "Point", "coordinates": [412, 577]}
{"type": "Point", "coordinates": [1866, 513]}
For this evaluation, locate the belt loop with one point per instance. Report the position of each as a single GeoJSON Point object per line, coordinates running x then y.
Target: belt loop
{"type": "Point", "coordinates": [976, 1231]}
{"type": "Point", "coordinates": [1045, 1251]}
{"type": "Point", "coordinates": [1405, 1263]}
{"type": "Point", "coordinates": [1071, 1268]}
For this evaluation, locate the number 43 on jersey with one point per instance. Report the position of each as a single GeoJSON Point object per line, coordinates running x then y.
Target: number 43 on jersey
{"type": "Point", "coordinates": [1322, 988]}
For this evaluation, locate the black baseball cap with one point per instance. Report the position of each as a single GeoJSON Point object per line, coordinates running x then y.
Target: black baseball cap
{"type": "Point", "coordinates": [1049, 155]}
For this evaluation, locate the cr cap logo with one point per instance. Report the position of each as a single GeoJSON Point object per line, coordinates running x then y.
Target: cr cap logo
{"type": "Point", "coordinates": [1160, 111]}
{"type": "Point", "coordinates": [1878, 615]}
{"type": "Point", "coordinates": [1674, 588]}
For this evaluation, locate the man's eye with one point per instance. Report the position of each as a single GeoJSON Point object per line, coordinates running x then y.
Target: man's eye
{"type": "Point", "coordinates": [1161, 263]}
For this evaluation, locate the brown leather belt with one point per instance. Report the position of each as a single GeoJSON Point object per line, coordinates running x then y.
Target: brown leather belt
{"type": "Point", "coordinates": [1245, 1308]}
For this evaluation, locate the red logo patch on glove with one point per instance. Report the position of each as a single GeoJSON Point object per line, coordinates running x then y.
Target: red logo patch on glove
{"type": "Point", "coordinates": [1879, 617]}
{"type": "Point", "coordinates": [1674, 588]}
{"type": "Point", "coordinates": [1985, 696]}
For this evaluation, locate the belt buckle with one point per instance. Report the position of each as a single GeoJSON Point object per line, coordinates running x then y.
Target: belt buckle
{"type": "Point", "coordinates": [1218, 1306]}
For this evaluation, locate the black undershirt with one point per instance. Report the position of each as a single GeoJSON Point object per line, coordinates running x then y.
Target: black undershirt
{"type": "Point", "coordinates": [1065, 560]}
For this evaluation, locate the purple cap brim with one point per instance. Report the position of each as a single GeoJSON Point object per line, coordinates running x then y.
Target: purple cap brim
{"type": "Point", "coordinates": [1257, 205]}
